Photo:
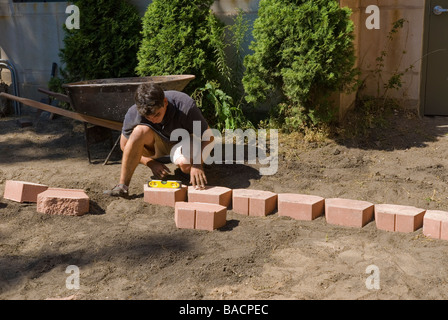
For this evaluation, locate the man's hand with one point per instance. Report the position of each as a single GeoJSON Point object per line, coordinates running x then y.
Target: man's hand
{"type": "Point", "coordinates": [159, 170]}
{"type": "Point", "coordinates": [197, 177]}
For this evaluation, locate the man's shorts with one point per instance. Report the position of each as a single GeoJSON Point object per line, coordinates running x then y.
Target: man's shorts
{"type": "Point", "coordinates": [163, 148]}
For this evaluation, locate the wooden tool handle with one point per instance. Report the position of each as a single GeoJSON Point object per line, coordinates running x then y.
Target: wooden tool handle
{"type": "Point", "coordinates": [59, 96]}
{"type": "Point", "coordinates": [114, 125]}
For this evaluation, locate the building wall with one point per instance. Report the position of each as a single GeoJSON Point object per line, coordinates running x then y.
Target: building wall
{"type": "Point", "coordinates": [31, 36]}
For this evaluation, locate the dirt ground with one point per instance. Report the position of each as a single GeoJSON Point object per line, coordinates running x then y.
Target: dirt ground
{"type": "Point", "coordinates": [128, 249]}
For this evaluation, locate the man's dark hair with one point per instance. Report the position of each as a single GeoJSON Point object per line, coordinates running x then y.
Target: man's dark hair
{"type": "Point", "coordinates": [149, 98]}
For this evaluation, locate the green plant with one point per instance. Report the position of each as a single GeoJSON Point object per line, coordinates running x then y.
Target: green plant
{"type": "Point", "coordinates": [395, 82]}
{"type": "Point", "coordinates": [55, 85]}
{"type": "Point", "coordinates": [183, 37]}
{"type": "Point", "coordinates": [106, 44]}
{"type": "Point", "coordinates": [238, 32]}
{"type": "Point", "coordinates": [303, 52]}
{"type": "Point", "coordinates": [374, 111]}
{"type": "Point", "coordinates": [219, 108]}
{"type": "Point", "coordinates": [367, 115]}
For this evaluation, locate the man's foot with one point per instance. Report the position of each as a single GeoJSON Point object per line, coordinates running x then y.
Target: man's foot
{"type": "Point", "coordinates": [120, 190]}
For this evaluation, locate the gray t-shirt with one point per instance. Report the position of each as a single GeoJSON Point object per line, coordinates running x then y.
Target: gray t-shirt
{"type": "Point", "coordinates": [180, 114]}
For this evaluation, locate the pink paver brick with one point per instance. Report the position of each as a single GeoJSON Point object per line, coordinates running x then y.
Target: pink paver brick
{"type": "Point", "coordinates": [391, 217]}
{"type": "Point", "coordinates": [210, 216]}
{"type": "Point", "coordinates": [350, 213]}
{"type": "Point", "coordinates": [435, 224]}
{"type": "Point", "coordinates": [22, 191]}
{"type": "Point", "coordinates": [211, 194]}
{"type": "Point", "coordinates": [164, 196]}
{"type": "Point", "coordinates": [240, 201]}
{"type": "Point", "coordinates": [71, 202]}
{"type": "Point", "coordinates": [201, 216]}
{"type": "Point", "coordinates": [253, 202]}
{"type": "Point", "coordinates": [185, 215]}
{"type": "Point", "coordinates": [300, 206]}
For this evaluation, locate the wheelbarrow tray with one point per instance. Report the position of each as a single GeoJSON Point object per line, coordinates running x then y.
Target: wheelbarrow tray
{"type": "Point", "coordinates": [111, 98]}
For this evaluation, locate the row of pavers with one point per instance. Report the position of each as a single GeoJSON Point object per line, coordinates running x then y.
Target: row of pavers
{"type": "Point", "coordinates": [337, 211]}
{"type": "Point", "coordinates": [207, 209]}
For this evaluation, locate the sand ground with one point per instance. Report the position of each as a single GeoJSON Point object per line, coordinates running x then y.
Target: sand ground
{"type": "Point", "coordinates": [129, 249]}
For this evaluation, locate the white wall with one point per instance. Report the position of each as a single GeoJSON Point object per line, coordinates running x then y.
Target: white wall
{"type": "Point", "coordinates": [30, 37]}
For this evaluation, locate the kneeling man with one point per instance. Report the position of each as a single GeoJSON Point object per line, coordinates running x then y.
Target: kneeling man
{"type": "Point", "coordinates": [146, 133]}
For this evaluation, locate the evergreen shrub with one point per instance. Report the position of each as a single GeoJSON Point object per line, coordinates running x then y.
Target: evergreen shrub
{"type": "Point", "coordinates": [303, 52]}
{"type": "Point", "coordinates": [182, 37]}
{"type": "Point", "coordinates": [105, 45]}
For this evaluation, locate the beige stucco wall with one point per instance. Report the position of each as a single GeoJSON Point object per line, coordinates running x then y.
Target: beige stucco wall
{"type": "Point", "coordinates": [370, 43]}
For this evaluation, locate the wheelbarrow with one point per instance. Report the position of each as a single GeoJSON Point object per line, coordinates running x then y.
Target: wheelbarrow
{"type": "Point", "coordinates": [102, 102]}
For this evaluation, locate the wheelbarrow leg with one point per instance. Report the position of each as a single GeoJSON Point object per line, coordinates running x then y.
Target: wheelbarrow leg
{"type": "Point", "coordinates": [95, 134]}
{"type": "Point", "coordinates": [112, 150]}
{"type": "Point", "coordinates": [86, 135]}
